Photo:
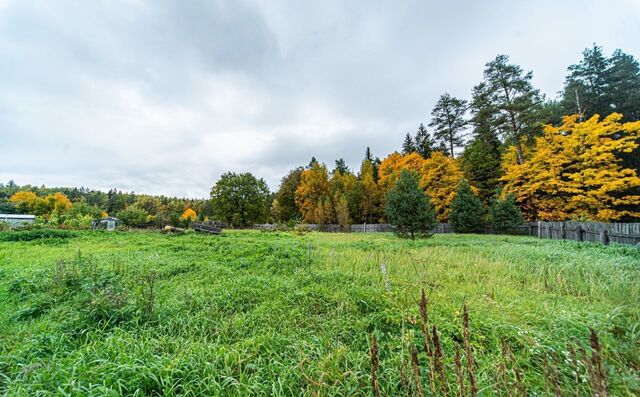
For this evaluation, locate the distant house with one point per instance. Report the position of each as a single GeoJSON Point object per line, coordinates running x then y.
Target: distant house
{"type": "Point", "coordinates": [108, 223]}
{"type": "Point", "coordinates": [15, 220]}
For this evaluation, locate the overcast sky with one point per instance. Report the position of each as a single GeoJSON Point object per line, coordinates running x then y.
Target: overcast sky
{"type": "Point", "coordinates": [162, 97]}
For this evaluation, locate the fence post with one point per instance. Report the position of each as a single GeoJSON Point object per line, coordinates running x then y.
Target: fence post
{"type": "Point", "coordinates": [530, 229]}
{"type": "Point", "coordinates": [563, 231]}
{"type": "Point", "coordinates": [579, 232]}
{"type": "Point", "coordinates": [539, 230]}
{"type": "Point", "coordinates": [604, 237]}
{"type": "Point", "coordinates": [550, 231]}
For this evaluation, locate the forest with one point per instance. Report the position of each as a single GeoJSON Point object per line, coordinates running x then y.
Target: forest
{"type": "Point", "coordinates": [574, 157]}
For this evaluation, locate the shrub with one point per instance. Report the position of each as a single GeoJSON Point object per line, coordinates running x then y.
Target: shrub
{"type": "Point", "coordinates": [467, 211]}
{"type": "Point", "coordinates": [409, 209]}
{"type": "Point", "coordinates": [133, 216]}
{"type": "Point", "coordinates": [36, 234]}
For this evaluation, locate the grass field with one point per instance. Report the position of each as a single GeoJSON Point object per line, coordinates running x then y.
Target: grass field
{"type": "Point", "coordinates": [250, 313]}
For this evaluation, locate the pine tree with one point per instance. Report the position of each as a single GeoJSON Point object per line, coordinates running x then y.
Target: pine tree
{"type": "Point", "coordinates": [481, 163]}
{"type": "Point", "coordinates": [586, 86]}
{"type": "Point", "coordinates": [623, 77]}
{"type": "Point", "coordinates": [504, 215]}
{"type": "Point", "coordinates": [312, 162]}
{"type": "Point", "coordinates": [467, 211]}
{"type": "Point", "coordinates": [408, 208]}
{"type": "Point", "coordinates": [367, 155]}
{"type": "Point", "coordinates": [449, 122]}
{"type": "Point", "coordinates": [408, 146]}
{"type": "Point", "coordinates": [375, 163]}
{"type": "Point", "coordinates": [507, 103]}
{"type": "Point", "coordinates": [341, 167]}
{"type": "Point", "coordinates": [423, 142]}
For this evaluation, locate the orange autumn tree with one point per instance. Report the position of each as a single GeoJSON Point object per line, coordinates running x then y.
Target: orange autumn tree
{"type": "Point", "coordinates": [313, 194]}
{"type": "Point", "coordinates": [439, 177]}
{"type": "Point", "coordinates": [575, 172]}
{"type": "Point", "coordinates": [188, 215]}
{"type": "Point", "coordinates": [390, 168]}
{"type": "Point", "coordinates": [58, 202]}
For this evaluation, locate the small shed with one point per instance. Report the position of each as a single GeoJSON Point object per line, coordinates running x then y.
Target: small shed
{"type": "Point", "coordinates": [17, 220]}
{"type": "Point", "coordinates": [108, 223]}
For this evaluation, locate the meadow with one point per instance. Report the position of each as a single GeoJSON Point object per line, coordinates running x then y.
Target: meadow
{"type": "Point", "coordinates": [279, 313]}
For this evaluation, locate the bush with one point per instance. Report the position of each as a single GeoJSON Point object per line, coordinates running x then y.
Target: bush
{"type": "Point", "coordinates": [133, 216]}
{"type": "Point", "coordinates": [467, 211]}
{"type": "Point", "coordinates": [36, 234]}
{"type": "Point", "coordinates": [504, 214]}
{"type": "Point", "coordinates": [409, 209]}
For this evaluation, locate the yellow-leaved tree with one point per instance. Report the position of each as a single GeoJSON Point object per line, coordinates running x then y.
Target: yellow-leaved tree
{"type": "Point", "coordinates": [313, 194]}
{"type": "Point", "coordinates": [575, 172]}
{"type": "Point", "coordinates": [189, 215]}
{"type": "Point", "coordinates": [370, 201]}
{"type": "Point", "coordinates": [439, 177]}
{"type": "Point", "coordinates": [25, 201]}
{"type": "Point", "coordinates": [390, 168]}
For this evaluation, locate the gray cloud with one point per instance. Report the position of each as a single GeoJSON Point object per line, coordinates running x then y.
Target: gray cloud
{"type": "Point", "coordinates": [164, 96]}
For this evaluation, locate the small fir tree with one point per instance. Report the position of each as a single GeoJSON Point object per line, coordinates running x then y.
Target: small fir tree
{"type": "Point", "coordinates": [467, 211]}
{"type": "Point", "coordinates": [408, 146]}
{"type": "Point", "coordinates": [504, 215]}
{"type": "Point", "coordinates": [409, 209]}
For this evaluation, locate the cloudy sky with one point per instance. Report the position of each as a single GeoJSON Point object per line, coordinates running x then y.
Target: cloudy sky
{"type": "Point", "coordinates": [163, 96]}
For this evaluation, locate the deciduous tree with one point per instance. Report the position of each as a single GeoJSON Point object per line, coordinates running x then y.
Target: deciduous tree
{"type": "Point", "coordinates": [240, 199]}
{"type": "Point", "coordinates": [313, 193]}
{"type": "Point", "coordinates": [575, 172]}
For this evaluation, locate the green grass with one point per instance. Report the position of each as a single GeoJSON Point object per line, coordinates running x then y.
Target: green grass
{"type": "Point", "coordinates": [250, 313]}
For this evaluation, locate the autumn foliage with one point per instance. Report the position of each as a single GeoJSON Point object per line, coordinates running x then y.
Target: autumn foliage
{"type": "Point", "coordinates": [574, 171]}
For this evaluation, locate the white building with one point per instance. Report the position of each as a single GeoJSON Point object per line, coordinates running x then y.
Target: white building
{"type": "Point", "coordinates": [17, 219]}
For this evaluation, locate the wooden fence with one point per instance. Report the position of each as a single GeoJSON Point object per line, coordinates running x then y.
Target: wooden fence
{"type": "Point", "coordinates": [605, 233]}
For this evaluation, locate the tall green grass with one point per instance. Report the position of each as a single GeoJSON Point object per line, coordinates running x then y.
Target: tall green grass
{"type": "Point", "coordinates": [250, 313]}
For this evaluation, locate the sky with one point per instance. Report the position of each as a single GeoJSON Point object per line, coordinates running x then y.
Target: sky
{"type": "Point", "coordinates": [162, 97]}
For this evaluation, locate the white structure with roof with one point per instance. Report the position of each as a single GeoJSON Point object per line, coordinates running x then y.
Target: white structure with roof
{"type": "Point", "coordinates": [17, 219]}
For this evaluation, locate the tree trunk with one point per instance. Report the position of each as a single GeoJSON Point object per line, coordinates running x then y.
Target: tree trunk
{"type": "Point", "coordinates": [519, 151]}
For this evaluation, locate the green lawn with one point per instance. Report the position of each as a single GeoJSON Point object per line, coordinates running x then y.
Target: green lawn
{"type": "Point", "coordinates": [251, 313]}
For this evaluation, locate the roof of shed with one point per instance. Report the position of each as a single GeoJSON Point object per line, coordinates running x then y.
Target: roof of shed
{"type": "Point", "coordinates": [17, 216]}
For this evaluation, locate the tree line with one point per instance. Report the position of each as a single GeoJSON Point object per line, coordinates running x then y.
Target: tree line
{"type": "Point", "coordinates": [76, 208]}
{"type": "Point", "coordinates": [574, 157]}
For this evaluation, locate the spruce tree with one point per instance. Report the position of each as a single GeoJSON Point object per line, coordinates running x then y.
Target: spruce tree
{"type": "Point", "coordinates": [408, 146]}
{"type": "Point", "coordinates": [449, 122]}
{"type": "Point", "coordinates": [423, 142]}
{"type": "Point", "coordinates": [467, 211]}
{"type": "Point", "coordinates": [375, 162]}
{"type": "Point", "coordinates": [409, 209]}
{"type": "Point", "coordinates": [341, 167]}
{"type": "Point", "coordinates": [504, 215]}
